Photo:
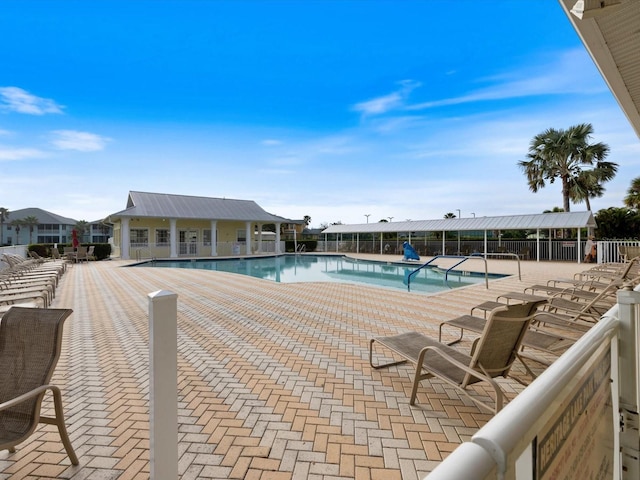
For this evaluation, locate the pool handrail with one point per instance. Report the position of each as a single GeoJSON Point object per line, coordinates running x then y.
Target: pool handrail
{"type": "Point", "coordinates": [446, 274]}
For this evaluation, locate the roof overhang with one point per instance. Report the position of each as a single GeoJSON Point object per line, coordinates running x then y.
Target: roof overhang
{"type": "Point", "coordinates": [610, 31]}
{"type": "Point", "coordinates": [540, 221]}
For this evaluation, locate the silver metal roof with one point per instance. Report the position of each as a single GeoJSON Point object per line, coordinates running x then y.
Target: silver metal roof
{"type": "Point", "coordinates": [164, 205]}
{"type": "Point", "coordinates": [43, 216]}
{"type": "Point", "coordinates": [510, 222]}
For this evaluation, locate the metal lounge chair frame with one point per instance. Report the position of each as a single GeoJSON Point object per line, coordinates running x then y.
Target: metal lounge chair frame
{"type": "Point", "coordinates": [492, 354]}
{"type": "Point", "coordinates": [30, 345]}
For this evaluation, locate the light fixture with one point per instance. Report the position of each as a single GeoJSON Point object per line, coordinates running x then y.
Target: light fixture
{"type": "Point", "coordinates": [593, 8]}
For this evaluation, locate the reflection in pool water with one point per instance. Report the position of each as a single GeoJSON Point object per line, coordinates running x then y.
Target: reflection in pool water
{"type": "Point", "coordinates": [332, 268]}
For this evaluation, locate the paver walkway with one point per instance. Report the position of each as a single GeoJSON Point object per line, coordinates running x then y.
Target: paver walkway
{"type": "Point", "coordinates": [274, 379]}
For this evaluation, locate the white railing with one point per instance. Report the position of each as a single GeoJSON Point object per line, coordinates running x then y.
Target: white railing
{"type": "Point", "coordinates": [609, 250]}
{"type": "Point", "coordinates": [579, 419]}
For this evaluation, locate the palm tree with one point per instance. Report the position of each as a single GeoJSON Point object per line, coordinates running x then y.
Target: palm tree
{"type": "Point", "coordinates": [588, 183]}
{"type": "Point", "coordinates": [30, 222]}
{"type": "Point", "coordinates": [16, 224]}
{"type": "Point", "coordinates": [449, 215]}
{"type": "Point", "coordinates": [632, 200]}
{"type": "Point", "coordinates": [562, 154]}
{"type": "Point", "coordinates": [4, 214]}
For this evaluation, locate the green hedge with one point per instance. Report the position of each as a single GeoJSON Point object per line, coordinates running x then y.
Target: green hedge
{"type": "Point", "coordinates": [101, 250]}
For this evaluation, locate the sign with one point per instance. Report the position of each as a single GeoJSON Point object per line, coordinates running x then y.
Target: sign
{"type": "Point", "coordinates": [577, 443]}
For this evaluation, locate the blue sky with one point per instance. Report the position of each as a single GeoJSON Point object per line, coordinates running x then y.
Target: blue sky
{"type": "Point", "coordinates": [333, 109]}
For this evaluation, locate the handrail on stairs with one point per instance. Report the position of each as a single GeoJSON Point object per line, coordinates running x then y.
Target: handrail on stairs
{"type": "Point", "coordinates": [140, 251]}
{"type": "Point", "coordinates": [463, 258]}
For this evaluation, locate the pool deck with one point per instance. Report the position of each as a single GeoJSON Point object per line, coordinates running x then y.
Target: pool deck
{"type": "Point", "coordinates": [274, 379]}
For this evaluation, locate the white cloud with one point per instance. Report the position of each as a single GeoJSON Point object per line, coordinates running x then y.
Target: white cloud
{"type": "Point", "coordinates": [569, 72]}
{"type": "Point", "coordinates": [385, 103]}
{"type": "Point", "coordinates": [80, 141]}
{"type": "Point", "coordinates": [10, 154]}
{"type": "Point", "coordinates": [271, 142]}
{"type": "Point", "coordinates": [16, 99]}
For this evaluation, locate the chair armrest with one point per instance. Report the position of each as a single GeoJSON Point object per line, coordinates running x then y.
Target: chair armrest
{"type": "Point", "coordinates": [26, 396]}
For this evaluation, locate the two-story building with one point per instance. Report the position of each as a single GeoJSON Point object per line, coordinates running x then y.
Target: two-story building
{"type": "Point", "coordinates": [35, 225]}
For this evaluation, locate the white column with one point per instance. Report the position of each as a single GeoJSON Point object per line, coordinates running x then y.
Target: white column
{"type": "Point", "coordinates": [125, 240]}
{"type": "Point", "coordinates": [248, 235]}
{"type": "Point", "coordinates": [163, 385]}
{"type": "Point", "coordinates": [173, 235]}
{"type": "Point", "coordinates": [214, 238]}
{"type": "Point", "coordinates": [259, 238]}
{"type": "Point", "coordinates": [278, 251]}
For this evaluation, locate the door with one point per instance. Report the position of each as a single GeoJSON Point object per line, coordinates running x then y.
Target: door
{"type": "Point", "coordinates": [188, 242]}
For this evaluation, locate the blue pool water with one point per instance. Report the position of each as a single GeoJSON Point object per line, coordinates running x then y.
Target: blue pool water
{"type": "Point", "coordinates": [332, 268]}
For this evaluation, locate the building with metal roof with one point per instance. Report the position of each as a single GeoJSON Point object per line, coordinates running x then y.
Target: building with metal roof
{"type": "Point", "coordinates": [50, 228]}
{"type": "Point", "coordinates": [166, 225]}
{"type": "Point", "coordinates": [541, 221]}
{"type": "Point", "coordinates": [538, 223]}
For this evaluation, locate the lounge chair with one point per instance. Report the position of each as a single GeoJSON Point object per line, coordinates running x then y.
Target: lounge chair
{"type": "Point", "coordinates": [551, 341]}
{"type": "Point", "coordinates": [30, 344]}
{"type": "Point", "coordinates": [492, 354]}
{"type": "Point", "coordinates": [82, 254]}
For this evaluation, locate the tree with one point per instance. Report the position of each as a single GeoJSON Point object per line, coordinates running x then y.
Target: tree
{"type": "Point", "coordinates": [617, 223]}
{"type": "Point", "coordinates": [30, 222]}
{"type": "Point", "coordinates": [562, 154]}
{"type": "Point", "coordinates": [17, 224]}
{"type": "Point", "coordinates": [307, 220]}
{"type": "Point", "coordinates": [449, 215]}
{"type": "Point", "coordinates": [4, 215]}
{"type": "Point", "coordinates": [632, 200]}
{"type": "Point", "coordinates": [82, 227]}
{"type": "Point", "coordinates": [588, 183]}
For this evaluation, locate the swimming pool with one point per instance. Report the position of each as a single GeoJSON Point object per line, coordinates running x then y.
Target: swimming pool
{"type": "Point", "coordinates": [331, 268]}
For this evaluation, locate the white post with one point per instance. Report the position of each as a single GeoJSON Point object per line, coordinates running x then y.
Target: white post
{"type": "Point", "coordinates": [125, 239]}
{"type": "Point", "coordinates": [173, 237]}
{"type": "Point", "coordinates": [163, 385]}
{"type": "Point", "coordinates": [249, 236]}
{"type": "Point", "coordinates": [214, 238]}
{"type": "Point", "coordinates": [278, 250]}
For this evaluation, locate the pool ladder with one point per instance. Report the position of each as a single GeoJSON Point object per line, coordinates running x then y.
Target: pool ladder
{"type": "Point", "coordinates": [446, 274]}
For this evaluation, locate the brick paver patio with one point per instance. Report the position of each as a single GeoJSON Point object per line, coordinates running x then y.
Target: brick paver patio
{"type": "Point", "coordinates": [274, 379]}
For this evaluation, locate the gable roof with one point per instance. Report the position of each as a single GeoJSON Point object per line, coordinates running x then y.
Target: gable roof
{"type": "Point", "coordinates": [509, 222]}
{"type": "Point", "coordinates": [165, 205]}
{"type": "Point", "coordinates": [42, 215]}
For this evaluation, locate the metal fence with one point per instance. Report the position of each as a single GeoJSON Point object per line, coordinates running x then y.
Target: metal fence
{"type": "Point", "coordinates": [554, 250]}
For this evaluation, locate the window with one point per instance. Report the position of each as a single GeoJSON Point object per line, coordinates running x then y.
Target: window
{"type": "Point", "coordinates": [48, 228]}
{"type": "Point", "coordinates": [162, 237]}
{"type": "Point", "coordinates": [241, 235]}
{"type": "Point", "coordinates": [139, 237]}
{"type": "Point", "coordinates": [206, 237]}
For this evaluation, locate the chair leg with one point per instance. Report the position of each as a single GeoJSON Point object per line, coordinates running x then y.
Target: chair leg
{"type": "Point", "coordinates": [62, 429]}
{"type": "Point", "coordinates": [383, 365]}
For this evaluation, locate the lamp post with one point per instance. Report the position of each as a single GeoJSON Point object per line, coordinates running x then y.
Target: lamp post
{"type": "Point", "coordinates": [390, 218]}
{"type": "Point", "coordinates": [367, 215]}
{"type": "Point", "coordinates": [474, 215]}
{"type": "Point", "coordinates": [458, 210]}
